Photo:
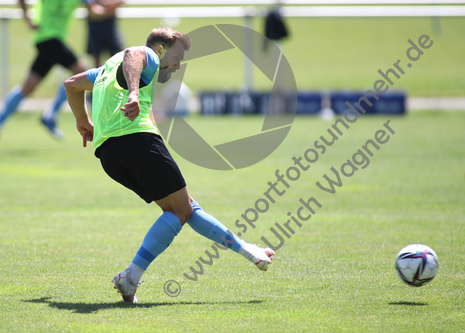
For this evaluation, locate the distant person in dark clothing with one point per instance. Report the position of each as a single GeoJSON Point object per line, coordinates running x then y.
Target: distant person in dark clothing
{"type": "Point", "coordinates": [275, 28]}
{"type": "Point", "coordinates": [103, 33]}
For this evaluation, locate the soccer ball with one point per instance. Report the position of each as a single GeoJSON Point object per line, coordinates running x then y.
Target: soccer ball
{"type": "Point", "coordinates": [416, 264]}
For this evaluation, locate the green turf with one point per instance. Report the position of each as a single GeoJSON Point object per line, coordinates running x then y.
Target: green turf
{"type": "Point", "coordinates": [324, 53]}
{"type": "Point", "coordinates": [66, 228]}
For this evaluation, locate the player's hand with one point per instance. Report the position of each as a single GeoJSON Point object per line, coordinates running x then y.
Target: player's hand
{"type": "Point", "coordinates": [31, 25]}
{"type": "Point", "coordinates": [87, 131]}
{"type": "Point", "coordinates": [131, 108]}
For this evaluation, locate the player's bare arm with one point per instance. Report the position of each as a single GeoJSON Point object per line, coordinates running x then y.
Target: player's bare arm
{"type": "Point", "coordinates": [134, 62]}
{"type": "Point", "coordinates": [24, 7]}
{"type": "Point", "coordinates": [75, 91]}
{"type": "Point", "coordinates": [111, 5]}
{"type": "Point", "coordinates": [100, 12]}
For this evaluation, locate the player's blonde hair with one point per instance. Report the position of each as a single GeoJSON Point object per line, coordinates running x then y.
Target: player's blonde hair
{"type": "Point", "coordinates": [167, 37]}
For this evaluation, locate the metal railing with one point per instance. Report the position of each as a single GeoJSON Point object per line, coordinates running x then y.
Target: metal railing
{"type": "Point", "coordinates": [270, 2]}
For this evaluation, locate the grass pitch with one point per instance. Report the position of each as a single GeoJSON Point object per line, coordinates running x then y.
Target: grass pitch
{"type": "Point", "coordinates": [66, 229]}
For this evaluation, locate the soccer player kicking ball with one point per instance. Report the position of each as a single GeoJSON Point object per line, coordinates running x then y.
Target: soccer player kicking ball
{"type": "Point", "coordinates": [132, 152]}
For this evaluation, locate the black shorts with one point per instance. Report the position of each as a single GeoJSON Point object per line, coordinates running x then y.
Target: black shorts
{"type": "Point", "coordinates": [142, 163]}
{"type": "Point", "coordinates": [52, 52]}
{"type": "Point", "coordinates": [103, 35]}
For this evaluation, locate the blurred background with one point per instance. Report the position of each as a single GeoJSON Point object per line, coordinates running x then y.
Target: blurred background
{"type": "Point", "coordinates": [332, 46]}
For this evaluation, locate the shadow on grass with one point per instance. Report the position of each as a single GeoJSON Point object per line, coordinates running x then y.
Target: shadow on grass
{"type": "Point", "coordinates": [84, 308]}
{"type": "Point", "coordinates": [409, 303]}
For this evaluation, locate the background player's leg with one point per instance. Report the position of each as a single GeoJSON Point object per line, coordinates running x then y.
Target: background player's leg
{"type": "Point", "coordinates": [50, 114]}
{"type": "Point", "coordinates": [16, 95]}
{"type": "Point", "coordinates": [49, 117]}
{"type": "Point", "coordinates": [12, 101]}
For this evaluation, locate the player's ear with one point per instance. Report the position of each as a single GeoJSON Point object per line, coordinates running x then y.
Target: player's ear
{"type": "Point", "coordinates": [160, 50]}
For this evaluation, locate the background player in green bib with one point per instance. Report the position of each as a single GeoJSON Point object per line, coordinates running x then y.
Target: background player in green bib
{"type": "Point", "coordinates": [132, 152]}
{"type": "Point", "coordinates": [50, 24]}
